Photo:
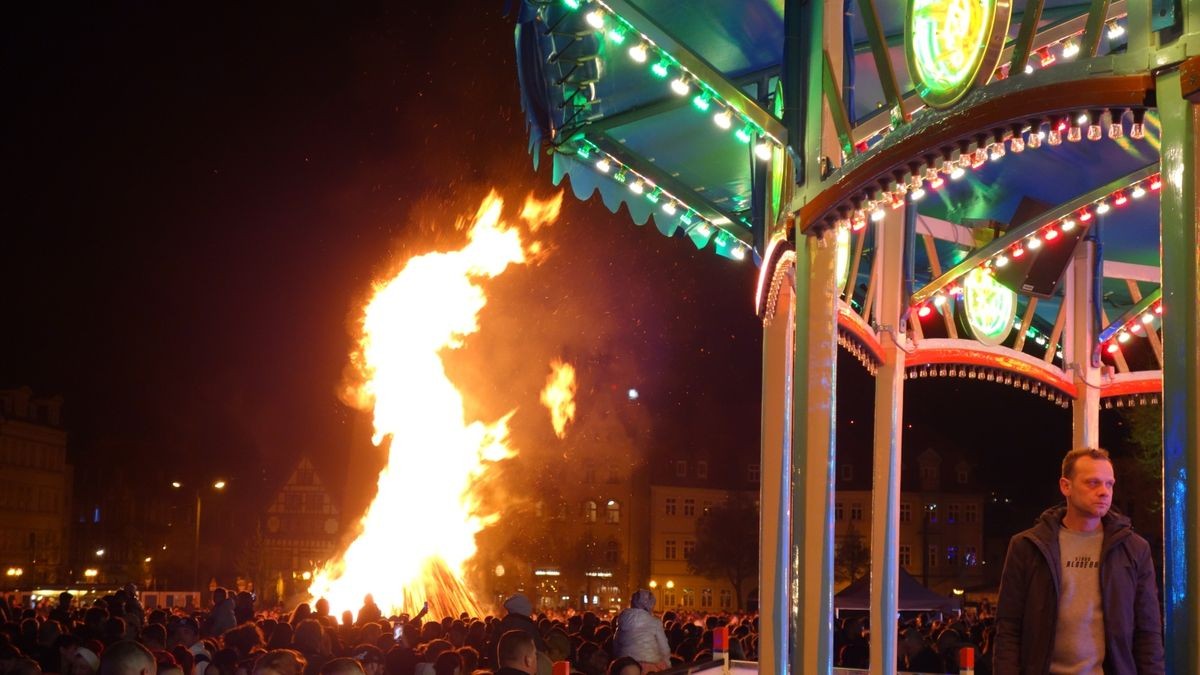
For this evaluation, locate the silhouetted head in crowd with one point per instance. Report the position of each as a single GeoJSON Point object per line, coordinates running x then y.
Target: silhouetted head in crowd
{"type": "Point", "coordinates": [281, 662]}
{"type": "Point", "coordinates": [518, 651]}
{"type": "Point", "coordinates": [127, 657]}
{"type": "Point", "coordinates": [626, 665]}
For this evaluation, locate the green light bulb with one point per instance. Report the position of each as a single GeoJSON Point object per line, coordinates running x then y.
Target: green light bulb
{"type": "Point", "coordinates": [660, 69]}
{"type": "Point", "coordinates": [702, 102]}
{"type": "Point", "coordinates": [572, 4]}
{"type": "Point", "coordinates": [617, 35]}
{"type": "Point", "coordinates": [745, 133]}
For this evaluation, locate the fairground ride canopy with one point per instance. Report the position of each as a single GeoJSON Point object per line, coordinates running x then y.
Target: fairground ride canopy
{"type": "Point", "coordinates": [1009, 152]}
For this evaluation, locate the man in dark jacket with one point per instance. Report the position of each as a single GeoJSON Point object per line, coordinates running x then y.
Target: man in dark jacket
{"type": "Point", "coordinates": [517, 654]}
{"type": "Point", "coordinates": [1078, 592]}
{"type": "Point", "coordinates": [519, 617]}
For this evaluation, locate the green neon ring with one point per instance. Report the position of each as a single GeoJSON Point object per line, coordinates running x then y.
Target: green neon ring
{"type": "Point", "coordinates": [939, 83]}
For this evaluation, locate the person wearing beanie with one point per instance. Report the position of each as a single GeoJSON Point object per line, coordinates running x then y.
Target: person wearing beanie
{"type": "Point", "coordinates": [640, 634]}
{"type": "Point", "coordinates": [519, 617]}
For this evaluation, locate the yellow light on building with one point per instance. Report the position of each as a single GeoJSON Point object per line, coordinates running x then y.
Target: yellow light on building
{"type": "Point", "coordinates": [90, 573]}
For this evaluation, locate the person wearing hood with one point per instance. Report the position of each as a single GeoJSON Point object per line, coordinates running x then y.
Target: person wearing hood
{"type": "Point", "coordinates": [1078, 591]}
{"type": "Point", "coordinates": [222, 617]}
{"type": "Point", "coordinates": [640, 634]}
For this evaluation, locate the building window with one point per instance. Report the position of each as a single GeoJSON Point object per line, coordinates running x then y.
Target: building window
{"type": "Point", "coordinates": [952, 555]}
{"type": "Point", "coordinates": [706, 597]}
{"type": "Point", "coordinates": [837, 511]}
{"type": "Point", "coordinates": [669, 599]}
{"type": "Point", "coordinates": [847, 472]}
{"type": "Point", "coordinates": [905, 512]}
{"type": "Point", "coordinates": [612, 553]}
{"type": "Point", "coordinates": [952, 513]}
{"type": "Point", "coordinates": [931, 509]}
{"type": "Point", "coordinates": [931, 561]}
{"type": "Point", "coordinates": [670, 506]}
{"type": "Point", "coordinates": [689, 597]}
{"type": "Point", "coordinates": [706, 505]}
{"type": "Point", "coordinates": [726, 599]}
{"type": "Point", "coordinates": [970, 556]}
{"type": "Point", "coordinates": [669, 550]}
{"type": "Point", "coordinates": [689, 547]}
{"type": "Point", "coordinates": [970, 513]}
{"type": "Point", "coordinates": [702, 469]}
{"type": "Point", "coordinates": [680, 468]}
{"type": "Point", "coordinates": [589, 511]}
{"type": "Point", "coordinates": [613, 512]}
{"type": "Point", "coordinates": [905, 556]}
{"type": "Point", "coordinates": [689, 507]}
{"type": "Point", "coordinates": [753, 472]}
{"type": "Point", "coordinates": [856, 511]}
{"type": "Point", "coordinates": [929, 474]}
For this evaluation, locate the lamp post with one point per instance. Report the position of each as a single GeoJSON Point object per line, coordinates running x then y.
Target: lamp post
{"type": "Point", "coordinates": [217, 485]}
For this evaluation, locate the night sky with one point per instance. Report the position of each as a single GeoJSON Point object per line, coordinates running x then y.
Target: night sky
{"type": "Point", "coordinates": [198, 198]}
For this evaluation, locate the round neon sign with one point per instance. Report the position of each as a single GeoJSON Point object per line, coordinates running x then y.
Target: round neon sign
{"type": "Point", "coordinates": [843, 256]}
{"type": "Point", "coordinates": [990, 307]}
{"type": "Point", "coordinates": [953, 45]}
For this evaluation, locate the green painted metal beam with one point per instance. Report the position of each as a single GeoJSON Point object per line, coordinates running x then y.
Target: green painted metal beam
{"type": "Point", "coordinates": [699, 67]}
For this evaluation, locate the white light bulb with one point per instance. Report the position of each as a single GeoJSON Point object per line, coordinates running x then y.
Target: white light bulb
{"type": "Point", "coordinates": [762, 150]}
{"type": "Point", "coordinates": [680, 86]}
{"type": "Point", "coordinates": [637, 187]}
{"type": "Point", "coordinates": [917, 194]}
{"type": "Point", "coordinates": [724, 119]}
{"type": "Point", "coordinates": [670, 208]}
{"type": "Point", "coordinates": [638, 53]}
{"type": "Point", "coordinates": [603, 166]}
{"type": "Point", "coordinates": [877, 215]}
{"type": "Point", "coordinates": [595, 18]}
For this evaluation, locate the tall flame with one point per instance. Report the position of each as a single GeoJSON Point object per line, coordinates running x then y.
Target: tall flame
{"type": "Point", "coordinates": [559, 396]}
{"type": "Point", "coordinates": [421, 527]}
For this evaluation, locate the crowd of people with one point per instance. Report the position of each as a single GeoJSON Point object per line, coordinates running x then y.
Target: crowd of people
{"type": "Point", "coordinates": [925, 643]}
{"type": "Point", "coordinates": [115, 635]}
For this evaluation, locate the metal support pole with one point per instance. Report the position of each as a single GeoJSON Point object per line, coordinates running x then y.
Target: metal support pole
{"type": "Point", "coordinates": [814, 454]}
{"type": "Point", "coordinates": [774, 647]}
{"type": "Point", "coordinates": [1180, 241]}
{"type": "Point", "coordinates": [1078, 347]}
{"type": "Point", "coordinates": [889, 423]}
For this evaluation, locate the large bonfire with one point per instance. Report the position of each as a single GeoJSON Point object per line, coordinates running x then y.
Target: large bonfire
{"type": "Point", "coordinates": [420, 530]}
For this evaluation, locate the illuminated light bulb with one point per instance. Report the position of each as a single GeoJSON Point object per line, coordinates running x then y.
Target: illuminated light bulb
{"type": "Point", "coordinates": [762, 150]}
{"type": "Point", "coordinates": [744, 134]}
{"type": "Point", "coordinates": [1120, 199]}
{"type": "Point", "coordinates": [1158, 309]}
{"type": "Point", "coordinates": [1035, 140]}
{"type": "Point", "coordinates": [858, 225]}
{"type": "Point", "coordinates": [686, 218]}
{"type": "Point", "coordinates": [1123, 337]}
{"type": "Point", "coordinates": [939, 300]}
{"type": "Point", "coordinates": [1082, 119]}
{"type": "Point", "coordinates": [1034, 244]}
{"type": "Point", "coordinates": [1137, 131]}
{"type": "Point", "coordinates": [1095, 132]}
{"type": "Point", "coordinates": [1028, 68]}
{"type": "Point", "coordinates": [1116, 129]}
{"type": "Point", "coordinates": [924, 311]}
{"type": "Point", "coordinates": [1017, 252]}
{"type": "Point", "coordinates": [957, 173]}
{"type": "Point", "coordinates": [670, 207]}
{"type": "Point", "coordinates": [617, 35]}
{"type": "Point", "coordinates": [1041, 340]}
{"type": "Point", "coordinates": [1070, 49]}
{"type": "Point", "coordinates": [595, 18]}
{"type": "Point", "coordinates": [654, 195]}
{"type": "Point", "coordinates": [980, 156]}
{"type": "Point", "coordinates": [572, 4]}
{"type": "Point", "coordinates": [936, 183]}
{"type": "Point", "coordinates": [637, 187]}
{"type": "Point", "coordinates": [1103, 208]}
{"type": "Point", "coordinates": [1068, 225]}
{"type": "Point", "coordinates": [1075, 134]}
{"type": "Point", "coordinates": [997, 152]}
{"type": "Point", "coordinates": [639, 53]}
{"type": "Point", "coordinates": [702, 102]}
{"type": "Point", "coordinates": [1155, 183]}
{"type": "Point", "coordinates": [1085, 216]}
{"type": "Point", "coordinates": [1115, 30]}
{"type": "Point", "coordinates": [584, 152]}
{"type": "Point", "coordinates": [723, 119]}
{"type": "Point", "coordinates": [680, 86]}
{"type": "Point", "coordinates": [661, 69]}
{"type": "Point", "coordinates": [620, 176]}
{"type": "Point", "coordinates": [1113, 348]}
{"type": "Point", "coordinates": [1001, 260]}
{"type": "Point", "coordinates": [877, 215]}
{"type": "Point", "coordinates": [1147, 317]}
{"type": "Point", "coordinates": [1138, 192]}
{"type": "Point", "coordinates": [1017, 144]}
{"type": "Point", "coordinates": [1050, 235]}
{"type": "Point", "coordinates": [1045, 56]}
{"type": "Point", "coordinates": [704, 229]}
{"type": "Point", "coordinates": [603, 165]}
{"type": "Point", "coordinates": [1136, 329]}
{"type": "Point", "coordinates": [917, 194]}
{"type": "Point", "coordinates": [1055, 136]}
{"type": "Point", "coordinates": [739, 253]}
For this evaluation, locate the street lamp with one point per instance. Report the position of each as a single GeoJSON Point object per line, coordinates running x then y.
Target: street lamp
{"type": "Point", "coordinates": [217, 485]}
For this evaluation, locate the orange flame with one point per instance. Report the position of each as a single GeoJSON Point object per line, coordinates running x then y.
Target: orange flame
{"type": "Point", "coordinates": [421, 527]}
{"type": "Point", "coordinates": [559, 396]}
